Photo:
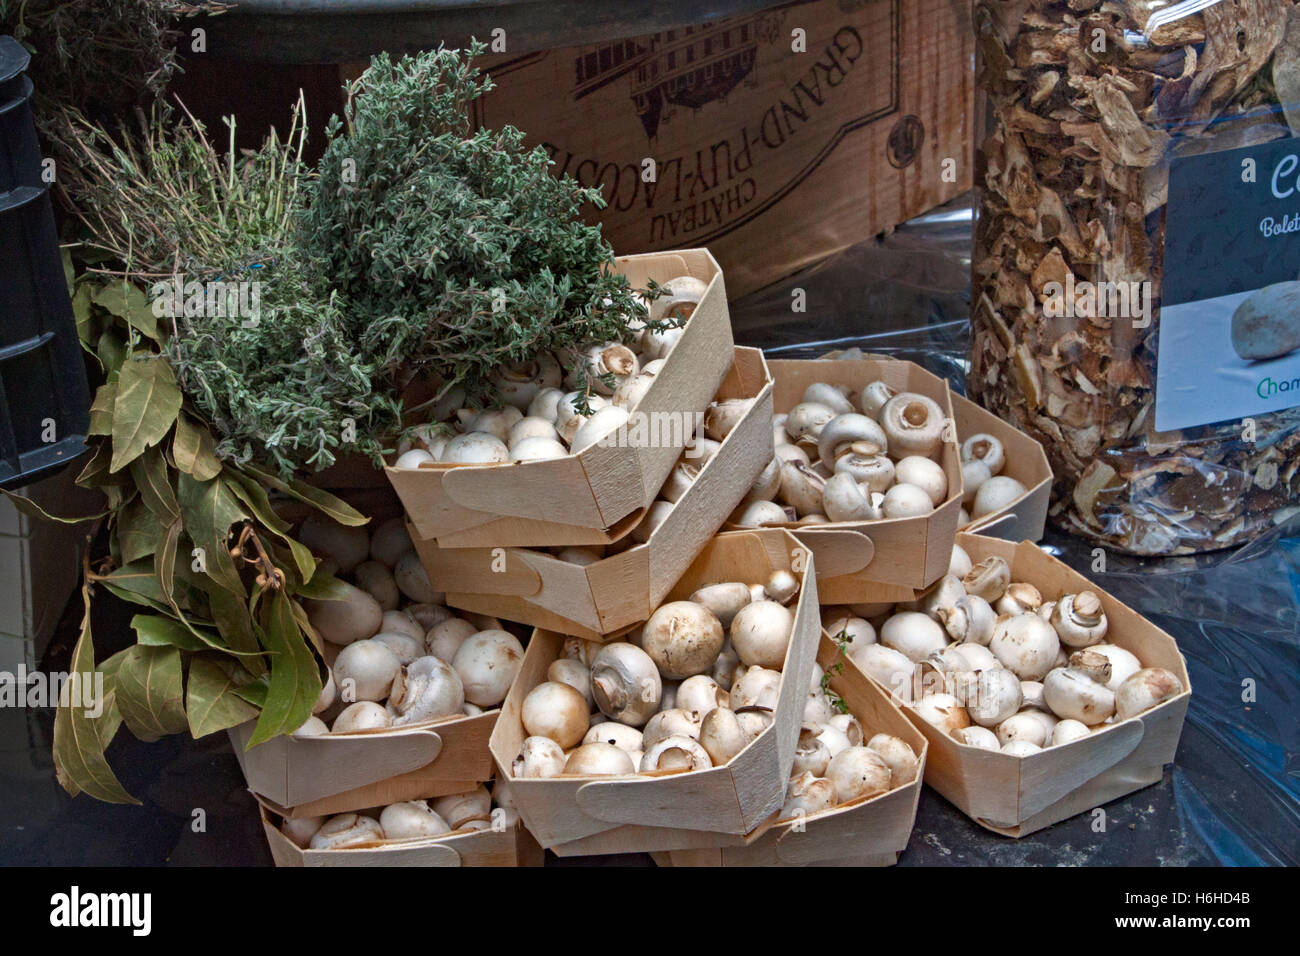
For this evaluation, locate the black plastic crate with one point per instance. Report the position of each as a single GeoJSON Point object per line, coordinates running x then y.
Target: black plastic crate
{"type": "Point", "coordinates": [44, 398]}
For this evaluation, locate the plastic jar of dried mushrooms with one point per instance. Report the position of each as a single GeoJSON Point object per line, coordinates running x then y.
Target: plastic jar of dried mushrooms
{"type": "Point", "coordinates": [1135, 298]}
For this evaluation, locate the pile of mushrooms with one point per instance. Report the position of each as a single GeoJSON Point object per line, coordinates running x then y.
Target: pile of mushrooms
{"type": "Point", "coordinates": [688, 690]}
{"type": "Point", "coordinates": [406, 822]}
{"type": "Point", "coordinates": [850, 456]}
{"type": "Point", "coordinates": [835, 763]}
{"type": "Point", "coordinates": [995, 664]}
{"type": "Point", "coordinates": [985, 489]}
{"type": "Point", "coordinates": [538, 418]}
{"type": "Point", "coordinates": [404, 658]}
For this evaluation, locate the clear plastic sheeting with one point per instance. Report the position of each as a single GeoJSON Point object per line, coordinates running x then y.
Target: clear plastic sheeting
{"type": "Point", "coordinates": [1233, 795]}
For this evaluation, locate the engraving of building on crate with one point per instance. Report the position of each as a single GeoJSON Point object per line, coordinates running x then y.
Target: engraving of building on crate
{"type": "Point", "coordinates": [687, 67]}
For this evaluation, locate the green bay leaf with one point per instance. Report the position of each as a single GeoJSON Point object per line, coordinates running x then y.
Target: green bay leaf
{"type": "Point", "coordinates": [80, 740]}
{"type": "Point", "coordinates": [295, 683]}
{"type": "Point", "coordinates": [149, 692]}
{"type": "Point", "coordinates": [194, 450]}
{"type": "Point", "coordinates": [212, 701]}
{"type": "Point", "coordinates": [148, 401]}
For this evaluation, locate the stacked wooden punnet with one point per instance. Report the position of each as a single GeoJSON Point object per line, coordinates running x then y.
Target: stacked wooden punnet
{"type": "Point", "coordinates": [681, 625]}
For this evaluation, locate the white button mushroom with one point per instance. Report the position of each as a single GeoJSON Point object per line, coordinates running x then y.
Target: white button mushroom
{"type": "Point", "coordinates": [413, 459]}
{"type": "Point", "coordinates": [557, 711]}
{"type": "Point", "coordinates": [700, 694]}
{"type": "Point", "coordinates": [300, 830]}
{"type": "Point", "coordinates": [834, 397]}
{"type": "Point", "coordinates": [429, 689]}
{"type": "Point", "coordinates": [599, 759]}
{"type": "Point", "coordinates": [538, 758]}
{"type": "Point", "coordinates": [413, 580]}
{"type": "Point", "coordinates": [997, 696]}
{"type": "Point", "coordinates": [1080, 619]}
{"type": "Point", "coordinates": [625, 683]}
{"type": "Point", "coordinates": [684, 639]}
{"type": "Point", "coordinates": [363, 715]}
{"type": "Point", "coordinates": [997, 493]}
{"type": "Point", "coordinates": [619, 735]}
{"type": "Point", "coordinates": [874, 397]}
{"type": "Point", "coordinates": [1026, 644]}
{"type": "Point", "coordinates": [988, 579]}
{"type": "Point", "coordinates": [538, 448]}
{"type": "Point", "coordinates": [1123, 663]}
{"type": "Point", "coordinates": [459, 809]}
{"type": "Point", "coordinates": [347, 829]}
{"type": "Point", "coordinates": [858, 772]}
{"type": "Point", "coordinates": [390, 541]}
{"type": "Point", "coordinates": [924, 474]}
{"type": "Point", "coordinates": [984, 448]}
{"type": "Point", "coordinates": [913, 425]}
{"type": "Point", "coordinates": [364, 670]}
{"type": "Point", "coordinates": [445, 638]}
{"type": "Point", "coordinates": [980, 737]}
{"type": "Point", "coordinates": [760, 633]}
{"type": "Point", "coordinates": [404, 646]}
{"type": "Point", "coordinates": [411, 820]}
{"type": "Point", "coordinates": [757, 687]}
{"type": "Point", "coordinates": [943, 711]}
{"type": "Point", "coordinates": [854, 433]}
{"type": "Point", "coordinates": [811, 753]}
{"type": "Point", "coordinates": [476, 448]}
{"type": "Point", "coordinates": [354, 616]}
{"type": "Point", "coordinates": [575, 674]}
{"type": "Point", "coordinates": [722, 736]}
{"type": "Point", "coordinates": [1145, 689]}
{"type": "Point", "coordinates": [668, 723]}
{"type": "Point", "coordinates": [806, 795]}
{"type": "Point", "coordinates": [1020, 748]}
{"type": "Point", "coordinates": [850, 726]}
{"type": "Point", "coordinates": [676, 752]}
{"type": "Point", "coordinates": [913, 634]}
{"type": "Point", "coordinates": [401, 622]}
{"type": "Point", "coordinates": [906, 501]}
{"type": "Point", "coordinates": [1025, 726]}
{"type": "Point", "coordinates": [902, 761]}
{"type": "Point", "coordinates": [889, 668]}
{"type": "Point", "coordinates": [487, 663]}
{"type": "Point", "coordinates": [1067, 731]}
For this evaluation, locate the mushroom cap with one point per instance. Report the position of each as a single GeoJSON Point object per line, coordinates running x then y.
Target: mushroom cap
{"type": "Point", "coordinates": [1026, 644]}
{"type": "Point", "coordinates": [410, 820]}
{"type": "Point", "coordinates": [683, 639]}
{"type": "Point", "coordinates": [625, 684]}
{"type": "Point", "coordinates": [557, 711]}
{"type": "Point", "coordinates": [676, 752]}
{"type": "Point", "coordinates": [760, 633]}
{"type": "Point", "coordinates": [364, 670]}
{"type": "Point", "coordinates": [858, 772]}
{"type": "Point", "coordinates": [488, 663]}
{"type": "Point", "coordinates": [599, 759]}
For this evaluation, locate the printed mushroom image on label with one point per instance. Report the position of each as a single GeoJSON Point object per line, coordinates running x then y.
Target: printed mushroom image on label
{"type": "Point", "coordinates": [1267, 324]}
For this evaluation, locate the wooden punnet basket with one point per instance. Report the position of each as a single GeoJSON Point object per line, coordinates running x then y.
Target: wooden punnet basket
{"type": "Point", "coordinates": [512, 846]}
{"type": "Point", "coordinates": [608, 597]}
{"type": "Point", "coordinates": [868, 832]}
{"type": "Point", "coordinates": [1016, 796]}
{"type": "Point", "coordinates": [1025, 518]}
{"type": "Point", "coordinates": [867, 561]}
{"type": "Point", "coordinates": [595, 496]}
{"type": "Point", "coordinates": [590, 815]}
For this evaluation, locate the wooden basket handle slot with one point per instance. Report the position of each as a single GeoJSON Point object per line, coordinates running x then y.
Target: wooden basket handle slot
{"type": "Point", "coordinates": [837, 551]}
